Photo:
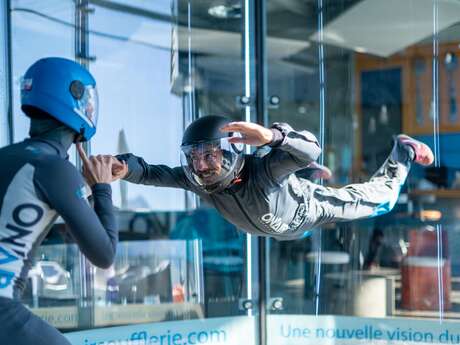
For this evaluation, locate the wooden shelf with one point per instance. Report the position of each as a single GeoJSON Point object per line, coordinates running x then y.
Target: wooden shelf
{"type": "Point", "coordinates": [440, 193]}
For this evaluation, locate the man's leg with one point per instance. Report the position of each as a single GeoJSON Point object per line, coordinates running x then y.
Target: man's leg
{"type": "Point", "coordinates": [373, 198]}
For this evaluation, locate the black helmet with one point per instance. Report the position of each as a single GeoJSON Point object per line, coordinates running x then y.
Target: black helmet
{"type": "Point", "coordinates": [209, 160]}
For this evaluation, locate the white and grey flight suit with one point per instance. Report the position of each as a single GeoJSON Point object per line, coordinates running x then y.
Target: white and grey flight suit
{"type": "Point", "coordinates": [37, 184]}
{"type": "Point", "coordinates": [271, 201]}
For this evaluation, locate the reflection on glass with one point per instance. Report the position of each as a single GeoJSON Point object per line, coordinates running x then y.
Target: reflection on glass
{"type": "Point", "coordinates": [53, 288]}
{"type": "Point", "coordinates": [136, 100]}
{"type": "Point", "coordinates": [168, 64]}
{"type": "Point", "coordinates": [155, 73]}
{"type": "Point", "coordinates": [158, 66]}
{"type": "Point", "coordinates": [386, 72]}
{"type": "Point", "coordinates": [223, 259]}
{"type": "Point", "coordinates": [169, 266]}
{"type": "Point", "coordinates": [34, 26]}
{"type": "Point", "coordinates": [150, 281]}
{"type": "Point", "coordinates": [159, 7]}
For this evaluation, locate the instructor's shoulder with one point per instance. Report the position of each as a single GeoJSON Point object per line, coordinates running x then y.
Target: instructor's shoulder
{"type": "Point", "coordinates": [56, 169]}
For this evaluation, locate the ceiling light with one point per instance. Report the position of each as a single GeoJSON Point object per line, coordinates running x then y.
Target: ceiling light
{"type": "Point", "coordinates": [225, 10]}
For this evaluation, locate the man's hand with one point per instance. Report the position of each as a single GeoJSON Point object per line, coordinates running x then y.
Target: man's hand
{"type": "Point", "coordinates": [252, 133]}
{"type": "Point", "coordinates": [101, 168]}
{"type": "Point", "coordinates": [119, 168]}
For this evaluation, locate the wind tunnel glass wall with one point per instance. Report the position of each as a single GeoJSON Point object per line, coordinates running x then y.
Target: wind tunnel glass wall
{"type": "Point", "coordinates": [158, 66]}
{"type": "Point", "coordinates": [4, 79]}
{"type": "Point", "coordinates": [158, 72]}
{"type": "Point", "coordinates": [42, 29]}
{"type": "Point", "coordinates": [139, 111]}
{"type": "Point", "coordinates": [34, 25]}
{"type": "Point", "coordinates": [168, 64]}
{"type": "Point", "coordinates": [357, 74]}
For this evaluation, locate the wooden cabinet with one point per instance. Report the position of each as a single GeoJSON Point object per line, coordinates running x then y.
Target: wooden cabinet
{"type": "Point", "coordinates": [420, 91]}
{"type": "Point", "coordinates": [424, 91]}
{"type": "Point", "coordinates": [430, 93]}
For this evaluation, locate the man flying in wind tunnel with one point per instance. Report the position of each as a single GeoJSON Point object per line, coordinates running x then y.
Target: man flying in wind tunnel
{"type": "Point", "coordinates": [37, 183]}
{"type": "Point", "coordinates": [262, 195]}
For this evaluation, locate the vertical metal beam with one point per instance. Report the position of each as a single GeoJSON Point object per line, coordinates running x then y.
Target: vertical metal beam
{"type": "Point", "coordinates": [260, 31]}
{"type": "Point", "coordinates": [81, 32]}
{"type": "Point", "coordinates": [82, 56]}
{"type": "Point", "coordinates": [437, 152]}
{"type": "Point", "coordinates": [81, 44]}
{"type": "Point", "coordinates": [192, 201]}
{"type": "Point", "coordinates": [322, 113]}
{"type": "Point", "coordinates": [262, 290]}
{"type": "Point", "coordinates": [247, 56]}
{"type": "Point", "coordinates": [9, 72]}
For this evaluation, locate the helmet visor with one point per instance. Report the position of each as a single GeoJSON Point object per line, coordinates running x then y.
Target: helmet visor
{"type": "Point", "coordinates": [88, 105]}
{"type": "Point", "coordinates": [210, 163]}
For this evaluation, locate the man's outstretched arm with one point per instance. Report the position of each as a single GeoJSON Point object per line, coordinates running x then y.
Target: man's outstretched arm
{"type": "Point", "coordinates": [141, 172]}
{"type": "Point", "coordinates": [292, 150]}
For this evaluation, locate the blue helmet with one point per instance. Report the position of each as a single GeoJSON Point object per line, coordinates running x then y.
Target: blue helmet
{"type": "Point", "coordinates": [64, 90]}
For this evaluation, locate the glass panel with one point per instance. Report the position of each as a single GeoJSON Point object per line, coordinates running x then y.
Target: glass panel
{"type": "Point", "coordinates": [4, 78]}
{"type": "Point", "coordinates": [158, 66]}
{"type": "Point", "coordinates": [156, 280]}
{"type": "Point", "coordinates": [154, 7]}
{"type": "Point", "coordinates": [139, 113]}
{"type": "Point", "coordinates": [167, 65]}
{"type": "Point", "coordinates": [43, 29]}
{"type": "Point", "coordinates": [34, 26]}
{"type": "Point", "coordinates": [365, 71]}
{"type": "Point", "coordinates": [54, 288]}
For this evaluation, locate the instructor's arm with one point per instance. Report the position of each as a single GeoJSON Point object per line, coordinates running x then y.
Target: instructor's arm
{"type": "Point", "coordinates": [95, 231]}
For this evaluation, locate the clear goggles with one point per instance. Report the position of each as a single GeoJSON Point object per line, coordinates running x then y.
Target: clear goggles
{"type": "Point", "coordinates": [210, 162]}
